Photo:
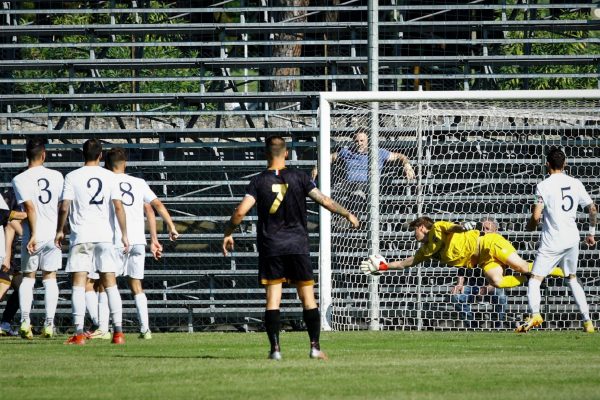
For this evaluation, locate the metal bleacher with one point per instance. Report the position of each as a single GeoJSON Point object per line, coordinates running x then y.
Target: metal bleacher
{"type": "Point", "coordinates": [191, 93]}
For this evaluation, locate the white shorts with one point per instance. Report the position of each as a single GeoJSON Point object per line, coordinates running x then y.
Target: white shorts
{"type": "Point", "coordinates": [547, 259]}
{"type": "Point", "coordinates": [92, 257]}
{"type": "Point", "coordinates": [132, 263]}
{"type": "Point", "coordinates": [47, 258]}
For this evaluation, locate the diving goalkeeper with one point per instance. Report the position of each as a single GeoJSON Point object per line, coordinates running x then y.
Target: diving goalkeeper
{"type": "Point", "coordinates": [461, 245]}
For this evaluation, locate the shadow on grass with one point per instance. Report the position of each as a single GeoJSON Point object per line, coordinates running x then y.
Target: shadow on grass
{"type": "Point", "coordinates": [199, 357]}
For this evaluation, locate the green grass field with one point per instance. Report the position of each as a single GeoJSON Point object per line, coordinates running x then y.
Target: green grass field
{"type": "Point", "coordinates": [374, 365]}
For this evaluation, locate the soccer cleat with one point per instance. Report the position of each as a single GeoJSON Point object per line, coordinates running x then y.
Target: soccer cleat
{"type": "Point", "coordinates": [275, 355]}
{"type": "Point", "coordinates": [98, 334]}
{"type": "Point", "coordinates": [146, 335]}
{"type": "Point", "coordinates": [535, 321]}
{"type": "Point", "coordinates": [317, 354]}
{"type": "Point", "coordinates": [118, 338]}
{"type": "Point", "coordinates": [48, 331]}
{"type": "Point", "coordinates": [588, 326]}
{"type": "Point", "coordinates": [78, 339]}
{"type": "Point", "coordinates": [25, 331]}
{"type": "Point", "coordinates": [6, 330]}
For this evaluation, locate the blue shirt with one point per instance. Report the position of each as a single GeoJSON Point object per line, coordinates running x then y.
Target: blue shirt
{"type": "Point", "coordinates": [357, 164]}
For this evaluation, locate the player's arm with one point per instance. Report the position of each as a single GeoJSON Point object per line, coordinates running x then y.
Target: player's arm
{"type": "Point", "coordinates": [155, 246]}
{"type": "Point", "coordinates": [408, 169]}
{"type": "Point", "coordinates": [318, 197]}
{"type": "Point", "coordinates": [164, 213]}
{"type": "Point", "coordinates": [32, 221]}
{"type": "Point", "coordinates": [63, 214]}
{"type": "Point", "coordinates": [121, 219]}
{"type": "Point", "coordinates": [236, 218]}
{"type": "Point", "coordinates": [376, 263]}
{"type": "Point", "coordinates": [593, 219]}
{"type": "Point", "coordinates": [536, 216]}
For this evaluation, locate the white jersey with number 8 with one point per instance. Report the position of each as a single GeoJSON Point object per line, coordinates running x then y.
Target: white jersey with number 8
{"type": "Point", "coordinates": [91, 190]}
{"type": "Point", "coordinates": [561, 195]}
{"type": "Point", "coordinates": [134, 193]}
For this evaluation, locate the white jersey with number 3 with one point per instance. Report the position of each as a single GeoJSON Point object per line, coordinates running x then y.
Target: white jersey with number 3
{"type": "Point", "coordinates": [561, 195]}
{"type": "Point", "coordinates": [43, 187]}
{"type": "Point", "coordinates": [91, 190]}
{"type": "Point", "coordinates": [134, 193]}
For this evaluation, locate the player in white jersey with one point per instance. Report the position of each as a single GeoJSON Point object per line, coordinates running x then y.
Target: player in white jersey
{"type": "Point", "coordinates": [38, 191]}
{"type": "Point", "coordinates": [90, 193]}
{"type": "Point", "coordinates": [557, 199]}
{"type": "Point", "coordinates": [137, 197]}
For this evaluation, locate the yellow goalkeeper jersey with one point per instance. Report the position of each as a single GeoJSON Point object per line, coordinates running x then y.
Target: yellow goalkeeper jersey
{"type": "Point", "coordinates": [451, 248]}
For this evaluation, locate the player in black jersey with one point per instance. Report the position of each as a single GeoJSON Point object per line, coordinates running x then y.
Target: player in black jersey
{"type": "Point", "coordinates": [282, 238]}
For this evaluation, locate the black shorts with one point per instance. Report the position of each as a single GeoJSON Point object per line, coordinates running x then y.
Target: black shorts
{"type": "Point", "coordinates": [6, 277]}
{"type": "Point", "coordinates": [290, 268]}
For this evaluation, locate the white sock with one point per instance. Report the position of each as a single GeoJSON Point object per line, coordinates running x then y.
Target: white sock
{"type": "Point", "coordinates": [103, 311]}
{"type": "Point", "coordinates": [141, 303]}
{"type": "Point", "coordinates": [26, 298]}
{"type": "Point", "coordinates": [50, 299]}
{"type": "Point", "coordinates": [579, 296]}
{"type": "Point", "coordinates": [78, 302]}
{"type": "Point", "coordinates": [91, 303]}
{"type": "Point", "coordinates": [116, 306]}
{"type": "Point", "coordinates": [534, 296]}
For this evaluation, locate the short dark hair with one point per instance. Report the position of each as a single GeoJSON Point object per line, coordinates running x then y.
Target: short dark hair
{"type": "Point", "coordinates": [92, 148]}
{"type": "Point", "coordinates": [114, 156]}
{"type": "Point", "coordinates": [36, 146]}
{"type": "Point", "coordinates": [556, 158]}
{"type": "Point", "coordinates": [275, 146]}
{"type": "Point", "coordinates": [421, 221]}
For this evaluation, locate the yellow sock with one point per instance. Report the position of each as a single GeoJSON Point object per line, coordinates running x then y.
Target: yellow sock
{"type": "Point", "coordinates": [557, 272]}
{"type": "Point", "coordinates": [512, 281]}
{"type": "Point", "coordinates": [530, 266]}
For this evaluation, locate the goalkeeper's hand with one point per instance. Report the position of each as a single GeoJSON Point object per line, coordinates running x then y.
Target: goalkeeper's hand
{"type": "Point", "coordinates": [470, 225]}
{"type": "Point", "coordinates": [374, 265]}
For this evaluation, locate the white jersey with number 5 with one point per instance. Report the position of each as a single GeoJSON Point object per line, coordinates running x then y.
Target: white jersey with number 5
{"type": "Point", "coordinates": [43, 187]}
{"type": "Point", "coordinates": [134, 193]}
{"type": "Point", "coordinates": [91, 190]}
{"type": "Point", "coordinates": [561, 195]}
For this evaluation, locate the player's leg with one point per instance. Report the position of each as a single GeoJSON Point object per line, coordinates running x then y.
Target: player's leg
{"type": "Point", "coordinates": [79, 265]}
{"type": "Point", "coordinates": [272, 318]}
{"type": "Point", "coordinates": [543, 264]}
{"type": "Point", "coordinates": [103, 312]}
{"type": "Point", "coordinates": [50, 302]}
{"type": "Point", "coordinates": [12, 303]}
{"type": "Point", "coordinates": [300, 272]}
{"type": "Point", "coordinates": [50, 262]}
{"type": "Point", "coordinates": [495, 252]}
{"type": "Point", "coordinates": [494, 273]}
{"type": "Point", "coordinates": [107, 265]}
{"type": "Point", "coordinates": [134, 269]}
{"type": "Point", "coordinates": [29, 267]}
{"type": "Point", "coordinates": [91, 301]}
{"type": "Point", "coordinates": [570, 261]}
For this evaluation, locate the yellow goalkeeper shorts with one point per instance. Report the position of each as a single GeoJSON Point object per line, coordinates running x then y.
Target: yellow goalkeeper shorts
{"type": "Point", "coordinates": [494, 251]}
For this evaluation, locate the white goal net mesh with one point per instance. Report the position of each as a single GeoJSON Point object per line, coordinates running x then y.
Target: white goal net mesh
{"type": "Point", "coordinates": [472, 160]}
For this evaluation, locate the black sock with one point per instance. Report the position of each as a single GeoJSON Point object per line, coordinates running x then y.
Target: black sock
{"type": "Point", "coordinates": [312, 319]}
{"type": "Point", "coordinates": [12, 306]}
{"type": "Point", "coordinates": [272, 324]}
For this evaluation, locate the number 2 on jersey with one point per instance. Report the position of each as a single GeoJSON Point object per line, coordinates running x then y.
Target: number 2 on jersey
{"type": "Point", "coordinates": [281, 190]}
{"type": "Point", "coordinates": [94, 200]}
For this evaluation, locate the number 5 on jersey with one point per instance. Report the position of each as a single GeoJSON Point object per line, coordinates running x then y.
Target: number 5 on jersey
{"type": "Point", "coordinates": [281, 190]}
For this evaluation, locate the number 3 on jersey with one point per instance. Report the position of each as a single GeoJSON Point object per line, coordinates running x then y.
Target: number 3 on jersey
{"type": "Point", "coordinates": [281, 190]}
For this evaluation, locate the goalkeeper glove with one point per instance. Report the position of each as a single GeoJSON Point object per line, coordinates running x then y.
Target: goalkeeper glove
{"type": "Point", "coordinates": [373, 265]}
{"type": "Point", "coordinates": [470, 225]}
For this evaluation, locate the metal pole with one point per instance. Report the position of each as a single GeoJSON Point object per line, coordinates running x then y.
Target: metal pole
{"type": "Point", "coordinates": [373, 43]}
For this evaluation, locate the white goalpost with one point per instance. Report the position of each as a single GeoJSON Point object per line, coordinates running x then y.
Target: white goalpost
{"type": "Point", "coordinates": [476, 155]}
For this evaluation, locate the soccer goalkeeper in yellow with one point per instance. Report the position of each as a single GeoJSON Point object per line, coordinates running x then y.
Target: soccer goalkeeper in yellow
{"type": "Point", "coordinates": [461, 245]}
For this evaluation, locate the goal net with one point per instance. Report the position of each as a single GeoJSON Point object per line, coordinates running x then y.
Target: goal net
{"type": "Point", "coordinates": [476, 156]}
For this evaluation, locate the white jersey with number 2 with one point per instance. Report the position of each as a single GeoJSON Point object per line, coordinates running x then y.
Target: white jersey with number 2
{"type": "Point", "coordinates": [91, 190]}
{"type": "Point", "coordinates": [560, 195]}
